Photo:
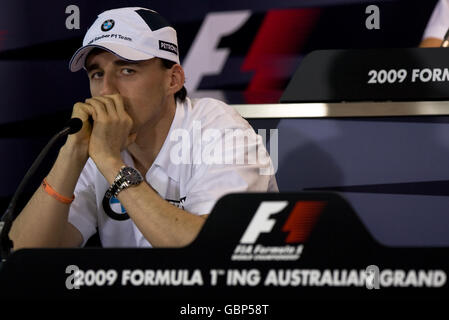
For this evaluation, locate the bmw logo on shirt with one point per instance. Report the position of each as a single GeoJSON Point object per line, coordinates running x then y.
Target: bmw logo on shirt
{"type": "Point", "coordinates": [107, 25]}
{"type": "Point", "coordinates": [116, 206]}
{"type": "Point", "coordinates": [114, 209]}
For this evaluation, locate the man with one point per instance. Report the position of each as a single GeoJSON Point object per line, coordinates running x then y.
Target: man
{"type": "Point", "coordinates": [125, 172]}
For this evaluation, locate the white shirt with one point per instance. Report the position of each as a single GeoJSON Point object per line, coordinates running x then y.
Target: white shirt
{"type": "Point", "coordinates": [197, 164]}
{"type": "Point", "coordinates": [439, 21]}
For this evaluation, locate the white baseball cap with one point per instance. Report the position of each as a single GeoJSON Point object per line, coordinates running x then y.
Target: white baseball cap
{"type": "Point", "coordinates": [132, 33]}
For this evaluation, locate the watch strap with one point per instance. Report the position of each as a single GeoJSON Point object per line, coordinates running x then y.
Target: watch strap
{"type": "Point", "coordinates": [120, 183]}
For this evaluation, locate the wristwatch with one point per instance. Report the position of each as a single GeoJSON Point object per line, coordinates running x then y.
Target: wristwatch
{"type": "Point", "coordinates": [127, 176]}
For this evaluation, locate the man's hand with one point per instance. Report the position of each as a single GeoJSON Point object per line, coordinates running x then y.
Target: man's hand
{"type": "Point", "coordinates": [80, 141]}
{"type": "Point", "coordinates": [111, 131]}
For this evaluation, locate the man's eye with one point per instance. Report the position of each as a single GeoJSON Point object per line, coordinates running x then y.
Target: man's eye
{"type": "Point", "coordinates": [128, 71]}
{"type": "Point", "coordinates": [96, 75]}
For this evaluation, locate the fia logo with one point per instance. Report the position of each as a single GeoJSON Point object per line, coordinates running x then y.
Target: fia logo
{"type": "Point", "coordinates": [298, 225]}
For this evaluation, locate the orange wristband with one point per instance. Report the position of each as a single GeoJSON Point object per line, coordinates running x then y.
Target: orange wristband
{"type": "Point", "coordinates": [54, 194]}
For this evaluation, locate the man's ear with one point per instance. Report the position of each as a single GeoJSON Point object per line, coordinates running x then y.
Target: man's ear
{"type": "Point", "coordinates": [177, 78]}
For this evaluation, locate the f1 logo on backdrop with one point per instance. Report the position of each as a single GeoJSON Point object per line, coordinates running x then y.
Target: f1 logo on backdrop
{"type": "Point", "coordinates": [298, 225]}
{"type": "Point", "coordinates": [273, 52]}
{"type": "Point", "coordinates": [203, 57]}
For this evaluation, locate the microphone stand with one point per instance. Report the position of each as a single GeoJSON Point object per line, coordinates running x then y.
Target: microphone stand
{"type": "Point", "coordinates": [74, 125]}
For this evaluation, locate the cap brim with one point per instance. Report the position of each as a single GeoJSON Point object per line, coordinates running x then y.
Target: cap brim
{"type": "Point", "coordinates": [123, 52]}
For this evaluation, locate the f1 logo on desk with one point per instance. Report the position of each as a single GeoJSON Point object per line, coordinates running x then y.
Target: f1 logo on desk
{"type": "Point", "coordinates": [298, 226]}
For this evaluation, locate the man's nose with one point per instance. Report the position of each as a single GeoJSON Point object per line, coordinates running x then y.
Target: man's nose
{"type": "Point", "coordinates": [109, 85]}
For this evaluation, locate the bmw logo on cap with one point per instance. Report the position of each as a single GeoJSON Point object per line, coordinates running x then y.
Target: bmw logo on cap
{"type": "Point", "coordinates": [107, 25]}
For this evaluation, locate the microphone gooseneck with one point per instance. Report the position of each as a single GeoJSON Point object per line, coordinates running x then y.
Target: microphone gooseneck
{"type": "Point", "coordinates": [73, 125]}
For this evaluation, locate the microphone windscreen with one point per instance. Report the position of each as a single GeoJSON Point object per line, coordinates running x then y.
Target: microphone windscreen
{"type": "Point", "coordinates": [75, 125]}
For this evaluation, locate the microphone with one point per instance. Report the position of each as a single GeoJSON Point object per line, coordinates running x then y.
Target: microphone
{"type": "Point", "coordinates": [445, 42]}
{"type": "Point", "coordinates": [75, 124]}
{"type": "Point", "coordinates": [72, 126]}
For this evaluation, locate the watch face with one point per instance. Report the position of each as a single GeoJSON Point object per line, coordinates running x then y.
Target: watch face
{"type": "Point", "coordinates": [132, 175]}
